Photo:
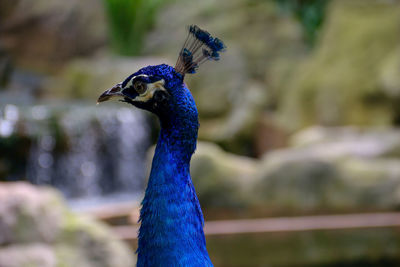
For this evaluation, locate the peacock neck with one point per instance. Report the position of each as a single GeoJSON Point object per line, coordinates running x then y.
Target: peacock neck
{"type": "Point", "coordinates": [171, 231]}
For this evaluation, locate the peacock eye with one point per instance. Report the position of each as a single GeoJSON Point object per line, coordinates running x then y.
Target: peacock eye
{"type": "Point", "coordinates": [140, 87]}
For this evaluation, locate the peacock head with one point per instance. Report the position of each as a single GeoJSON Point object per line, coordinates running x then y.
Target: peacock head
{"type": "Point", "coordinates": [157, 88]}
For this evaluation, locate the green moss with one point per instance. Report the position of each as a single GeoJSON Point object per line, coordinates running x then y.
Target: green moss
{"type": "Point", "coordinates": [22, 229]}
{"type": "Point", "coordinates": [300, 186]}
{"type": "Point", "coordinates": [361, 247]}
{"type": "Point", "coordinates": [86, 242]}
{"type": "Point", "coordinates": [215, 177]}
{"type": "Point", "coordinates": [336, 85]}
{"type": "Point", "coordinates": [77, 229]}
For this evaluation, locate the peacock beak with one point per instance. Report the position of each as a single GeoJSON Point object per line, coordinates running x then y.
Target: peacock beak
{"type": "Point", "coordinates": [116, 90]}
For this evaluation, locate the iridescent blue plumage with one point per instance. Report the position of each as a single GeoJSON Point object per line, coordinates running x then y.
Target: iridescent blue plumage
{"type": "Point", "coordinates": [171, 231]}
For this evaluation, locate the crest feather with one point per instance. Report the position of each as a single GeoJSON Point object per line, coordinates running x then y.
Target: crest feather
{"type": "Point", "coordinates": [199, 47]}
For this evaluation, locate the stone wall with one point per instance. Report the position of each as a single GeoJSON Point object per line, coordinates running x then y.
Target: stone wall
{"type": "Point", "coordinates": [38, 230]}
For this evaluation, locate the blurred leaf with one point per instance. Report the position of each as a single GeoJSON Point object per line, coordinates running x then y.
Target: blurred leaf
{"type": "Point", "coordinates": [129, 21]}
{"type": "Point", "coordinates": [310, 14]}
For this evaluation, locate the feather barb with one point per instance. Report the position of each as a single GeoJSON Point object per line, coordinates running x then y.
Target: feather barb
{"type": "Point", "coordinates": [199, 47]}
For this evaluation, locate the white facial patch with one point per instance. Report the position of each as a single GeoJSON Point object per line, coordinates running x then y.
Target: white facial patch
{"type": "Point", "coordinates": [151, 89]}
{"type": "Point", "coordinates": [129, 84]}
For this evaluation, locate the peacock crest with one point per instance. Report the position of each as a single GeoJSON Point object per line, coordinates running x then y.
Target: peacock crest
{"type": "Point", "coordinates": [199, 47]}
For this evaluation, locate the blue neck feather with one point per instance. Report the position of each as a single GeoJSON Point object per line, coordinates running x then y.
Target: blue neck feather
{"type": "Point", "coordinates": [171, 231]}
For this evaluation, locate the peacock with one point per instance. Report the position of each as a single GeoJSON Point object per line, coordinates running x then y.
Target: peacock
{"type": "Point", "coordinates": [171, 231]}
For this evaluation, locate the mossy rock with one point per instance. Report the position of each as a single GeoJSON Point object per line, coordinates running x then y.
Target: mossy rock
{"type": "Point", "coordinates": [222, 179]}
{"type": "Point", "coordinates": [87, 243]}
{"type": "Point", "coordinates": [371, 183]}
{"type": "Point", "coordinates": [74, 28]}
{"type": "Point", "coordinates": [29, 216]}
{"type": "Point", "coordinates": [346, 78]}
{"type": "Point", "coordinates": [235, 131]}
{"type": "Point", "coordinates": [28, 255]}
{"type": "Point", "coordinates": [332, 169]}
{"type": "Point", "coordinates": [349, 141]}
{"type": "Point", "coordinates": [35, 223]}
{"type": "Point", "coordinates": [301, 185]}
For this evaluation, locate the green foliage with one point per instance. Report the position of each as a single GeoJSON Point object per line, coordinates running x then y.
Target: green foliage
{"type": "Point", "coordinates": [310, 14]}
{"type": "Point", "coordinates": [129, 21]}
{"type": "Point", "coordinates": [14, 152]}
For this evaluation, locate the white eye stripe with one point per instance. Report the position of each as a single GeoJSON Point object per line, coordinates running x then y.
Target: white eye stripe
{"type": "Point", "coordinates": [130, 83]}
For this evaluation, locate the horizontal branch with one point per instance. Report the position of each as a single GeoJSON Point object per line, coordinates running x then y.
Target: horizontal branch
{"type": "Point", "coordinates": [286, 224]}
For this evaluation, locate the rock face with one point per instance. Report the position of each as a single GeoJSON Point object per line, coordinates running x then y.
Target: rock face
{"type": "Point", "coordinates": [37, 230]}
{"type": "Point", "coordinates": [332, 169]}
{"type": "Point", "coordinates": [351, 77]}
{"type": "Point", "coordinates": [298, 185]}
{"type": "Point", "coordinates": [324, 169]}
{"type": "Point", "coordinates": [222, 179]}
{"type": "Point", "coordinates": [43, 34]}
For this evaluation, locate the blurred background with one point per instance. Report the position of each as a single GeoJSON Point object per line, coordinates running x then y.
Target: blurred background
{"type": "Point", "coordinates": [300, 118]}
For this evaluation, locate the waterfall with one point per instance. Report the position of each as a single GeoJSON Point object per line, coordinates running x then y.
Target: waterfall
{"type": "Point", "coordinates": [85, 151]}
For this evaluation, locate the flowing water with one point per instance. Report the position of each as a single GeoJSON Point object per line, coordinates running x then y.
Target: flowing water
{"type": "Point", "coordinates": [88, 152]}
